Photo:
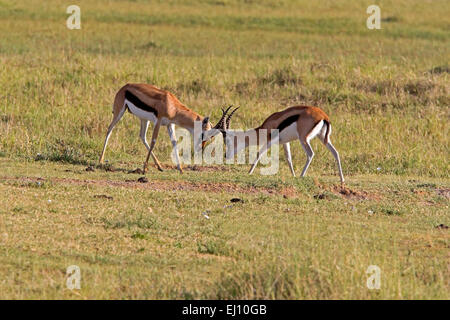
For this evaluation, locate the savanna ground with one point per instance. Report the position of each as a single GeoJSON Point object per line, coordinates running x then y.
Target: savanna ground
{"type": "Point", "coordinates": [387, 94]}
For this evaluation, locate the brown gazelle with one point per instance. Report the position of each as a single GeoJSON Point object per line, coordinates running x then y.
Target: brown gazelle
{"type": "Point", "coordinates": [299, 122]}
{"type": "Point", "coordinates": [150, 103]}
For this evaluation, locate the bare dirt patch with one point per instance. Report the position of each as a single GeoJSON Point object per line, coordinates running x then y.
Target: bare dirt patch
{"type": "Point", "coordinates": [352, 194]}
{"type": "Point", "coordinates": [289, 192]}
{"type": "Point", "coordinates": [186, 168]}
{"type": "Point", "coordinates": [444, 192]}
{"type": "Point", "coordinates": [345, 192]}
{"type": "Point", "coordinates": [161, 185]}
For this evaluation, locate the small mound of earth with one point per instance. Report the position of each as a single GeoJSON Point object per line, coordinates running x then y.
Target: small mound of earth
{"type": "Point", "coordinates": [142, 180]}
{"type": "Point", "coordinates": [289, 192]}
{"type": "Point", "coordinates": [351, 194]}
{"type": "Point", "coordinates": [444, 192]}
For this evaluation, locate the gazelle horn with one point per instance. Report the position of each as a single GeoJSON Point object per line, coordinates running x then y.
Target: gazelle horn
{"type": "Point", "coordinates": [229, 118]}
{"type": "Point", "coordinates": [221, 122]}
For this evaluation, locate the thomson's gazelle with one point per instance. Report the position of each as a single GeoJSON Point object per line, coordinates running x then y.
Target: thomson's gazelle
{"type": "Point", "coordinates": [299, 122]}
{"type": "Point", "coordinates": [161, 107]}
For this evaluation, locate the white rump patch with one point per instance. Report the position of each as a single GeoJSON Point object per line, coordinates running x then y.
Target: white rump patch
{"type": "Point", "coordinates": [315, 131]}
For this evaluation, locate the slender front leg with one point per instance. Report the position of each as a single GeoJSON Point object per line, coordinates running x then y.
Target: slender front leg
{"type": "Point", "coordinates": [152, 144]}
{"type": "Point", "coordinates": [173, 139]}
{"type": "Point", "coordinates": [287, 153]}
{"type": "Point", "coordinates": [260, 154]}
{"type": "Point", "coordinates": [143, 136]}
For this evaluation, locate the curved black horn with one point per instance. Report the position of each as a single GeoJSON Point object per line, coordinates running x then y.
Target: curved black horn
{"type": "Point", "coordinates": [221, 122]}
{"type": "Point", "coordinates": [229, 118]}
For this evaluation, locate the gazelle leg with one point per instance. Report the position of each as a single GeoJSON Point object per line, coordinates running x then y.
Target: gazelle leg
{"type": "Point", "coordinates": [309, 154]}
{"type": "Point", "coordinates": [143, 136]}
{"type": "Point", "coordinates": [287, 153]}
{"type": "Point", "coordinates": [260, 154]}
{"type": "Point", "coordinates": [173, 138]}
{"type": "Point", "coordinates": [152, 144]}
{"type": "Point", "coordinates": [108, 134]}
{"type": "Point", "coordinates": [338, 160]}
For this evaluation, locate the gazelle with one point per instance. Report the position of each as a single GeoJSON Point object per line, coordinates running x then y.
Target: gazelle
{"type": "Point", "coordinates": [161, 107]}
{"type": "Point", "coordinates": [299, 122]}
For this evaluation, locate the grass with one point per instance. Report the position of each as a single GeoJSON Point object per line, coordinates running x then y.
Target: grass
{"type": "Point", "coordinates": [144, 241]}
{"type": "Point", "coordinates": [386, 92]}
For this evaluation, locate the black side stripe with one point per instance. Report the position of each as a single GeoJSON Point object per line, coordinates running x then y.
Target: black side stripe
{"type": "Point", "coordinates": [287, 122]}
{"type": "Point", "coordinates": [139, 104]}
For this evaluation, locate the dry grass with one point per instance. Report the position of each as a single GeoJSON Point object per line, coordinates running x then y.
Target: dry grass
{"type": "Point", "coordinates": [131, 240]}
{"type": "Point", "coordinates": [386, 92]}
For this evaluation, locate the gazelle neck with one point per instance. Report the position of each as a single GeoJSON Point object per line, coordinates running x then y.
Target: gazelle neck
{"type": "Point", "coordinates": [187, 119]}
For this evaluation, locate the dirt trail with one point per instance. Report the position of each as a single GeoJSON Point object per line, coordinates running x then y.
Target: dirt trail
{"type": "Point", "coordinates": [227, 187]}
{"type": "Point", "coordinates": [161, 185]}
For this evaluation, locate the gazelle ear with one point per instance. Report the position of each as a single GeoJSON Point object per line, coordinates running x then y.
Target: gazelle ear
{"type": "Point", "coordinates": [205, 120]}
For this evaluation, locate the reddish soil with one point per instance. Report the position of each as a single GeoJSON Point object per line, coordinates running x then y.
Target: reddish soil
{"type": "Point", "coordinates": [165, 185]}
{"type": "Point", "coordinates": [160, 185]}
{"type": "Point", "coordinates": [444, 192]}
{"type": "Point", "coordinates": [353, 194]}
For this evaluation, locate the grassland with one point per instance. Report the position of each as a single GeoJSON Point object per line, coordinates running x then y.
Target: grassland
{"type": "Point", "coordinates": [387, 94]}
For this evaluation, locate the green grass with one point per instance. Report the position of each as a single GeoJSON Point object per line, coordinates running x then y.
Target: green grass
{"type": "Point", "coordinates": [386, 92]}
{"type": "Point", "coordinates": [291, 240]}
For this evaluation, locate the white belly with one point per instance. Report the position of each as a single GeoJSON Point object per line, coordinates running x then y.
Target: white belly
{"type": "Point", "coordinates": [142, 114]}
{"type": "Point", "coordinates": [289, 133]}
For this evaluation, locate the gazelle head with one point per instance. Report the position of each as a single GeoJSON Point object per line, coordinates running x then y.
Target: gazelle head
{"type": "Point", "coordinates": [206, 127]}
{"type": "Point", "coordinates": [221, 126]}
